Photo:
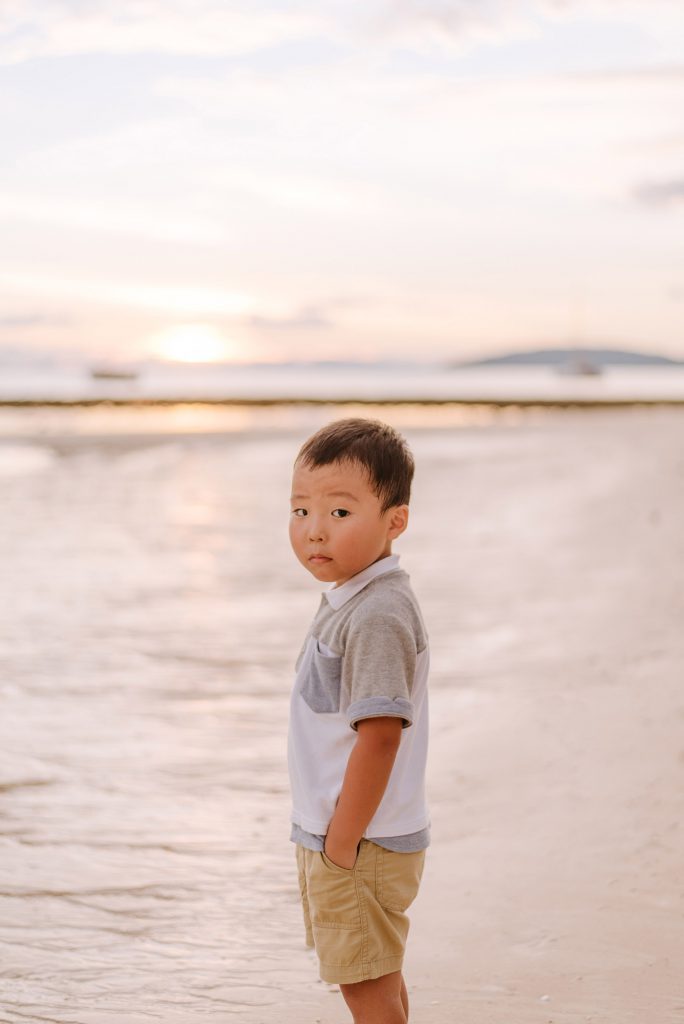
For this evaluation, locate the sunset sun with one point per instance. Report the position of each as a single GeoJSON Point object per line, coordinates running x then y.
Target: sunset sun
{"type": "Point", "coordinates": [193, 343]}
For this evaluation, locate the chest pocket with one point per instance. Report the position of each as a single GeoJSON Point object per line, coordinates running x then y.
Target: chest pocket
{"type": "Point", "coordinates": [322, 679]}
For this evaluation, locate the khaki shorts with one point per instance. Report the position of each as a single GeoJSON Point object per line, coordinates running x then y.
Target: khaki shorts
{"type": "Point", "coordinates": [355, 918]}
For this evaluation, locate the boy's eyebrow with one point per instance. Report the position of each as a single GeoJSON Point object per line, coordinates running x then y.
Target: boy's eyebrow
{"type": "Point", "coordinates": [342, 494]}
{"type": "Point", "coordinates": [328, 494]}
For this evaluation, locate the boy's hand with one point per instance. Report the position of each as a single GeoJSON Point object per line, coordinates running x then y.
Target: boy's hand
{"type": "Point", "coordinates": [338, 853]}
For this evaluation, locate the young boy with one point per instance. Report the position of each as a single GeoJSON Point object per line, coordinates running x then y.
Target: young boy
{"type": "Point", "coordinates": [358, 731]}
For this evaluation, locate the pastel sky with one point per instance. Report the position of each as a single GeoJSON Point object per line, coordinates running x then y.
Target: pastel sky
{"type": "Point", "coordinates": [341, 178]}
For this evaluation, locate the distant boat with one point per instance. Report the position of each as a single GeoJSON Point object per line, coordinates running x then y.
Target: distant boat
{"type": "Point", "coordinates": [579, 366]}
{"type": "Point", "coordinates": [104, 371]}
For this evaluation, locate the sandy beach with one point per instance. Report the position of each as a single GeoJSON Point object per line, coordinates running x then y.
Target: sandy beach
{"type": "Point", "coordinates": [554, 887]}
{"type": "Point", "coordinates": [547, 554]}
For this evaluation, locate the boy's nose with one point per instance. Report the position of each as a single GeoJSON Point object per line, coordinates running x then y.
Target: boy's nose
{"type": "Point", "coordinates": [315, 530]}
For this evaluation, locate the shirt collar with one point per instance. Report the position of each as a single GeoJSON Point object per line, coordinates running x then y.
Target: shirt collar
{"type": "Point", "coordinates": [337, 596]}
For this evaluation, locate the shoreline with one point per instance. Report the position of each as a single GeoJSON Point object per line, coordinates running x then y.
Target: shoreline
{"type": "Point", "coordinates": [560, 403]}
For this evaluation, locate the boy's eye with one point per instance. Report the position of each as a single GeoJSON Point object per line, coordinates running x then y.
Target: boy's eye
{"type": "Point", "coordinates": [296, 511]}
{"type": "Point", "coordinates": [343, 512]}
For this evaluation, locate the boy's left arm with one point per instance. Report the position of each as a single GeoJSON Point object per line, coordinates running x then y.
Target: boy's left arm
{"type": "Point", "coordinates": [365, 781]}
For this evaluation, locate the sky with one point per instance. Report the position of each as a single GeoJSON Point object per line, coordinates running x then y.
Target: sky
{"type": "Point", "coordinates": [265, 181]}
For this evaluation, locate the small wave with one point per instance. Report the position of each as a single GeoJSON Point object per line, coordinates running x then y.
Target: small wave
{"type": "Point", "coordinates": [7, 787]}
{"type": "Point", "coordinates": [154, 890]}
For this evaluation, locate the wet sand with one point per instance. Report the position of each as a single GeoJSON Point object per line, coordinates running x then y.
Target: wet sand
{"type": "Point", "coordinates": [145, 872]}
{"type": "Point", "coordinates": [554, 886]}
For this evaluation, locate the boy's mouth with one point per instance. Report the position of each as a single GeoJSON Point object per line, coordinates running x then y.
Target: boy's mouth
{"type": "Point", "coordinates": [317, 559]}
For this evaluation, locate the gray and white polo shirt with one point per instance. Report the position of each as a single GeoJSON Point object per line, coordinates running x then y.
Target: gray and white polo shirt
{"type": "Point", "coordinates": [366, 655]}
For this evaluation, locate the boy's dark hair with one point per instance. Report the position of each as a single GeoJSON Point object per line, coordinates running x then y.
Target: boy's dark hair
{"type": "Point", "coordinates": [375, 446]}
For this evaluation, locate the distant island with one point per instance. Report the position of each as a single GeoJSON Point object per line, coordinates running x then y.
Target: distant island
{"type": "Point", "coordinates": [559, 357]}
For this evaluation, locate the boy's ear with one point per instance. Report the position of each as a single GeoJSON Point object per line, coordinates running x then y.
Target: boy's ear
{"type": "Point", "coordinates": [398, 520]}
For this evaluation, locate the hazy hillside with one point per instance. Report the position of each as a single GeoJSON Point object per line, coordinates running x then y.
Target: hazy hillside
{"type": "Point", "coordinates": [560, 356]}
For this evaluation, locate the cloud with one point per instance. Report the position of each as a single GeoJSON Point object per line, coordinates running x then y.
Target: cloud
{"type": "Point", "coordinates": [640, 75]}
{"type": "Point", "coordinates": [660, 193]}
{"type": "Point", "coordinates": [42, 28]}
{"type": "Point", "coordinates": [108, 216]}
{"type": "Point", "coordinates": [308, 318]}
{"type": "Point", "coordinates": [211, 28]}
{"type": "Point", "coordinates": [27, 320]}
{"type": "Point", "coordinates": [451, 23]}
{"type": "Point", "coordinates": [170, 299]}
{"type": "Point", "coordinates": [456, 25]}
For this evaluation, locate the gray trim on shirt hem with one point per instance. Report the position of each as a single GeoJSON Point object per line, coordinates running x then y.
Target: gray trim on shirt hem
{"type": "Point", "coordinates": [409, 843]}
{"type": "Point", "coordinates": [377, 707]}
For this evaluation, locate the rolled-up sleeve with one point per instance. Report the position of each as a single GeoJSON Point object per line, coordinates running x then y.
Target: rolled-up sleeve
{"type": "Point", "coordinates": [378, 668]}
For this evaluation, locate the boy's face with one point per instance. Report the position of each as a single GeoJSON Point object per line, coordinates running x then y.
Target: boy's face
{"type": "Point", "coordinates": [336, 529]}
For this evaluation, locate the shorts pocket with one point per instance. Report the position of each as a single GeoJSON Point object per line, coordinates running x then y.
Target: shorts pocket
{"type": "Point", "coordinates": [398, 878]}
{"type": "Point", "coordinates": [337, 945]}
{"type": "Point", "coordinates": [321, 684]}
{"type": "Point", "coordinates": [335, 912]}
{"type": "Point", "coordinates": [337, 867]}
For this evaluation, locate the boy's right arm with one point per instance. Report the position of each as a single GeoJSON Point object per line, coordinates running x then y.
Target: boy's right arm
{"type": "Point", "coordinates": [378, 668]}
{"type": "Point", "coordinates": [365, 781]}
